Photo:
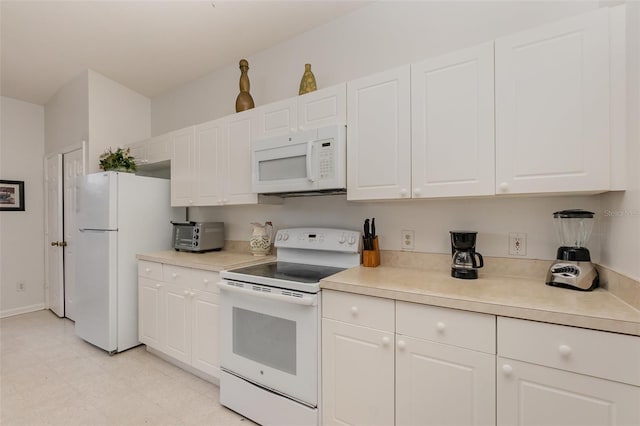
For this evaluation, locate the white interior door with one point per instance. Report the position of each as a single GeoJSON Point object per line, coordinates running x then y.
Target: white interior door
{"type": "Point", "coordinates": [73, 166]}
{"type": "Point", "coordinates": [54, 235]}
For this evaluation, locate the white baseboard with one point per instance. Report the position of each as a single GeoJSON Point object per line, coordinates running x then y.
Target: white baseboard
{"type": "Point", "coordinates": [21, 310]}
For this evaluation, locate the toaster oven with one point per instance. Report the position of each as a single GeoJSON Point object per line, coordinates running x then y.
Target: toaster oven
{"type": "Point", "coordinates": [198, 236]}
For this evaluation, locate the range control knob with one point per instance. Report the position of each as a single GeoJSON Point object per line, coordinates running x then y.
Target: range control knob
{"type": "Point", "coordinates": [279, 237]}
{"type": "Point", "coordinates": [285, 237]}
{"type": "Point", "coordinates": [342, 239]}
{"type": "Point", "coordinates": [352, 240]}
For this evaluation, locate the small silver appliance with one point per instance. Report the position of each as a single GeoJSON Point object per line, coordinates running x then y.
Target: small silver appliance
{"type": "Point", "coordinates": [198, 237]}
{"type": "Point", "coordinates": [573, 268]}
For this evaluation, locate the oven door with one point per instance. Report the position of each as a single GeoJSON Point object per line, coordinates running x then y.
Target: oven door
{"type": "Point", "coordinates": [269, 336]}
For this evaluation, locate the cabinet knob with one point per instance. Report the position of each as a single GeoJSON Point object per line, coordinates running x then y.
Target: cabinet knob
{"type": "Point", "coordinates": [174, 275]}
{"type": "Point", "coordinates": [192, 294]}
{"type": "Point", "coordinates": [404, 192]}
{"type": "Point", "coordinates": [354, 310]}
{"type": "Point", "coordinates": [507, 369]}
{"type": "Point", "coordinates": [205, 280]}
{"type": "Point", "coordinates": [224, 201]}
{"type": "Point", "coordinates": [147, 270]}
{"type": "Point", "coordinates": [417, 191]}
{"type": "Point", "coordinates": [190, 201]}
{"type": "Point", "coordinates": [440, 326]}
{"type": "Point", "coordinates": [504, 186]}
{"type": "Point", "coordinates": [385, 341]}
{"type": "Point", "coordinates": [158, 285]}
{"type": "Point", "coordinates": [402, 344]}
{"type": "Point", "coordinates": [565, 350]}
{"type": "Point", "coordinates": [186, 292]}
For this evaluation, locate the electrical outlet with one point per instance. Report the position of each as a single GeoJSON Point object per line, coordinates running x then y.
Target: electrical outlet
{"type": "Point", "coordinates": [20, 286]}
{"type": "Point", "coordinates": [407, 237]}
{"type": "Point", "coordinates": [517, 244]}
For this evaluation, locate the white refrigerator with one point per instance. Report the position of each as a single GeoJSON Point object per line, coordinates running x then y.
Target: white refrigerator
{"type": "Point", "coordinates": [119, 215]}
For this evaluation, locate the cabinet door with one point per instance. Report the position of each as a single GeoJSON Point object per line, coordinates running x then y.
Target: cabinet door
{"type": "Point", "coordinates": [379, 136]}
{"type": "Point", "coordinates": [439, 384]}
{"type": "Point", "coordinates": [205, 340]}
{"type": "Point", "coordinates": [208, 148]}
{"type": "Point", "coordinates": [236, 159]}
{"type": "Point", "coordinates": [529, 394]}
{"type": "Point", "coordinates": [323, 107]}
{"type": "Point", "coordinates": [177, 322]}
{"type": "Point", "coordinates": [149, 312]}
{"type": "Point", "coordinates": [552, 107]}
{"type": "Point", "coordinates": [138, 151]}
{"type": "Point", "coordinates": [182, 167]}
{"type": "Point", "coordinates": [357, 375]}
{"type": "Point", "coordinates": [159, 149]}
{"type": "Point", "coordinates": [278, 118]}
{"type": "Point", "coordinates": [452, 124]}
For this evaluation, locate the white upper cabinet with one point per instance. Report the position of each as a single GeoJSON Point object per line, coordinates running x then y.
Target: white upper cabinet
{"type": "Point", "coordinates": [452, 124]}
{"type": "Point", "coordinates": [312, 110]}
{"type": "Point", "coordinates": [182, 167]}
{"type": "Point", "coordinates": [379, 136]}
{"type": "Point", "coordinates": [208, 153]}
{"type": "Point", "coordinates": [234, 166]}
{"type": "Point", "coordinates": [552, 107]}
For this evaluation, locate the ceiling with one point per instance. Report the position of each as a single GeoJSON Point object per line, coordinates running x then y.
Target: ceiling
{"type": "Point", "coordinates": [150, 46]}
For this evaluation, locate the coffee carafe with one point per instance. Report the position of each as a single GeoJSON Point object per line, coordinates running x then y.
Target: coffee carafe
{"type": "Point", "coordinates": [465, 260]}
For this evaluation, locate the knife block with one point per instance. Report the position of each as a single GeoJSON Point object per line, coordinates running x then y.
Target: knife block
{"type": "Point", "coordinates": [371, 258]}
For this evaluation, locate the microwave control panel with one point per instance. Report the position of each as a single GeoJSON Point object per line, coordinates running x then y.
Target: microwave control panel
{"type": "Point", "coordinates": [326, 162]}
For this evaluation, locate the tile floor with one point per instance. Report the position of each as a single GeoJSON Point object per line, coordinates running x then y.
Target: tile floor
{"type": "Point", "coordinates": [48, 376]}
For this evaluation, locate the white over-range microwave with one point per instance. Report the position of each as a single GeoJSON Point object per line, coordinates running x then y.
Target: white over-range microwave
{"type": "Point", "coordinates": [312, 162]}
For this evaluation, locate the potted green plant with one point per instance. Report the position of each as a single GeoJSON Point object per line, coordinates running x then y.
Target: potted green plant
{"type": "Point", "coordinates": [119, 160]}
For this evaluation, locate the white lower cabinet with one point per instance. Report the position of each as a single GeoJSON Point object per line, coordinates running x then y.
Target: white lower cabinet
{"type": "Point", "coordinates": [552, 375]}
{"type": "Point", "coordinates": [178, 314]}
{"type": "Point", "coordinates": [372, 374]}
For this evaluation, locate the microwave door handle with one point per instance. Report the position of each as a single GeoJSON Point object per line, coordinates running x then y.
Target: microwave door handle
{"type": "Point", "coordinates": [310, 177]}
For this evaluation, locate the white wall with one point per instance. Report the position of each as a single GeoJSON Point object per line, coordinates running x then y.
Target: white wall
{"type": "Point", "coordinates": [117, 116]}
{"type": "Point", "coordinates": [373, 38]}
{"type": "Point", "coordinates": [621, 210]}
{"type": "Point", "coordinates": [67, 115]}
{"type": "Point", "coordinates": [22, 233]}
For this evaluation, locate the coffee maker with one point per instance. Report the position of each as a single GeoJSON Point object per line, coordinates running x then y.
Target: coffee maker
{"type": "Point", "coordinates": [465, 261]}
{"type": "Point", "coordinates": [573, 268]}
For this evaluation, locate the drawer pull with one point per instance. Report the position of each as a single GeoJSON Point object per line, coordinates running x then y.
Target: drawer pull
{"type": "Point", "coordinates": [206, 281]}
{"type": "Point", "coordinates": [440, 326]}
{"type": "Point", "coordinates": [186, 292]}
{"type": "Point", "coordinates": [385, 341]}
{"type": "Point", "coordinates": [174, 275]}
{"type": "Point", "coordinates": [402, 344]}
{"type": "Point", "coordinates": [354, 310]}
{"type": "Point", "coordinates": [565, 350]}
{"type": "Point", "coordinates": [147, 270]}
{"type": "Point", "coordinates": [507, 369]}
{"type": "Point", "coordinates": [157, 285]}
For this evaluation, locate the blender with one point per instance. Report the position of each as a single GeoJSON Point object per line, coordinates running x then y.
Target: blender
{"type": "Point", "coordinates": [573, 268]}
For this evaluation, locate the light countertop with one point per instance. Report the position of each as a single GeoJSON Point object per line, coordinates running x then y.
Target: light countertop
{"type": "Point", "coordinates": [210, 261]}
{"type": "Point", "coordinates": [510, 296]}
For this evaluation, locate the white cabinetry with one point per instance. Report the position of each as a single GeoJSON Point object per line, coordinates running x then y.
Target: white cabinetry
{"type": "Point", "coordinates": [151, 151]}
{"type": "Point", "coordinates": [433, 346]}
{"type": "Point", "coordinates": [552, 107]}
{"type": "Point", "coordinates": [312, 110]}
{"type": "Point", "coordinates": [556, 375]}
{"type": "Point", "coordinates": [211, 164]}
{"type": "Point", "coordinates": [452, 124]}
{"type": "Point", "coordinates": [178, 314]}
{"type": "Point", "coordinates": [379, 136]}
{"type": "Point", "coordinates": [183, 167]}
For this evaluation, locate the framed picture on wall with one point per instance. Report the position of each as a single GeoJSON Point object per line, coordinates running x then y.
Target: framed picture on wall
{"type": "Point", "coordinates": [12, 195]}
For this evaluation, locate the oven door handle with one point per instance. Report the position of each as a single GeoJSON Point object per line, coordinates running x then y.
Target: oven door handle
{"type": "Point", "coordinates": [304, 300]}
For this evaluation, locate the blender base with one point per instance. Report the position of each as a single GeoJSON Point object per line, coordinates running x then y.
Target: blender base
{"type": "Point", "coordinates": [580, 276]}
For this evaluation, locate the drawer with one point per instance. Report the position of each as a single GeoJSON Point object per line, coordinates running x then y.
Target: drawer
{"type": "Point", "coordinates": [151, 270]}
{"type": "Point", "coordinates": [205, 280]}
{"type": "Point", "coordinates": [367, 311]}
{"type": "Point", "coordinates": [596, 353]}
{"type": "Point", "coordinates": [177, 275]}
{"type": "Point", "coordinates": [469, 330]}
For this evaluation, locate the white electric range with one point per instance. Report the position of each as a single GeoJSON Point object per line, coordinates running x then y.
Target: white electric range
{"type": "Point", "coordinates": [270, 326]}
